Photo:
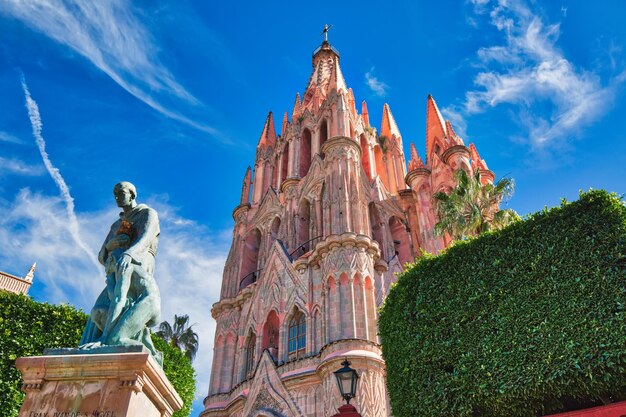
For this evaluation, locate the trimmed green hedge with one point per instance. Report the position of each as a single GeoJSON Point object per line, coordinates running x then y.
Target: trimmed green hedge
{"type": "Point", "coordinates": [525, 321]}
{"type": "Point", "coordinates": [179, 371]}
{"type": "Point", "coordinates": [28, 327]}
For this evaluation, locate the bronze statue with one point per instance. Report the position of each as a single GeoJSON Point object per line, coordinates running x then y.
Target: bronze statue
{"type": "Point", "coordinates": [131, 303]}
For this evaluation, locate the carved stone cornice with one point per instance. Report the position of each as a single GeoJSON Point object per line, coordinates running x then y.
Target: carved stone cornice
{"type": "Point", "coordinates": [341, 147]}
{"type": "Point", "coordinates": [462, 149]}
{"type": "Point", "coordinates": [358, 350]}
{"type": "Point", "coordinates": [234, 302]}
{"type": "Point", "coordinates": [417, 174]}
{"type": "Point", "coordinates": [240, 211]}
{"type": "Point", "coordinates": [344, 240]}
{"type": "Point", "coordinates": [289, 183]}
{"type": "Point", "coordinates": [488, 174]}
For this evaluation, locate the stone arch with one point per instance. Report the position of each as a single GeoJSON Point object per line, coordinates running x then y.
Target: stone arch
{"type": "Point", "coordinates": [400, 238]}
{"type": "Point", "coordinates": [249, 361]}
{"type": "Point", "coordinates": [376, 225]}
{"type": "Point", "coordinates": [296, 330]}
{"type": "Point", "coordinates": [275, 172]}
{"type": "Point", "coordinates": [265, 413]}
{"type": "Point", "coordinates": [268, 173]}
{"type": "Point", "coordinates": [323, 132]}
{"type": "Point", "coordinates": [271, 330]}
{"type": "Point", "coordinates": [250, 258]}
{"type": "Point", "coordinates": [284, 167]}
{"type": "Point", "coordinates": [275, 228]}
{"type": "Point", "coordinates": [305, 153]}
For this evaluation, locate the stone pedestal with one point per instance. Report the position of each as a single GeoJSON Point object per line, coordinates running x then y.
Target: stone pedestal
{"type": "Point", "coordinates": [129, 384]}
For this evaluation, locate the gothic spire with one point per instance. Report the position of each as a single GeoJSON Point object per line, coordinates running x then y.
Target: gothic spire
{"type": "Point", "coordinates": [285, 123]}
{"type": "Point", "coordinates": [435, 126]}
{"type": "Point", "coordinates": [453, 138]}
{"type": "Point", "coordinates": [477, 162]}
{"type": "Point", "coordinates": [415, 162]}
{"type": "Point", "coordinates": [326, 76]}
{"type": "Point", "coordinates": [388, 127]}
{"type": "Point", "coordinates": [268, 136]}
{"type": "Point", "coordinates": [364, 113]}
{"type": "Point", "coordinates": [297, 107]}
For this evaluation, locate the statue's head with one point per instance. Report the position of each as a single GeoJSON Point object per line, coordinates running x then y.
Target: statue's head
{"type": "Point", "coordinates": [125, 194]}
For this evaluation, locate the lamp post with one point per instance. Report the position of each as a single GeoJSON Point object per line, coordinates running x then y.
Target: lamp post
{"type": "Point", "coordinates": [347, 379]}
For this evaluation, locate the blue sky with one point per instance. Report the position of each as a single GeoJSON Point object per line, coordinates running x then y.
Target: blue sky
{"type": "Point", "coordinates": [173, 96]}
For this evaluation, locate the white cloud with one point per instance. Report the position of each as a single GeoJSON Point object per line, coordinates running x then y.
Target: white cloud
{"type": "Point", "coordinates": [17, 167]}
{"type": "Point", "coordinates": [34, 227]}
{"type": "Point", "coordinates": [555, 97]}
{"type": "Point", "coordinates": [55, 174]}
{"type": "Point", "coordinates": [7, 137]}
{"type": "Point", "coordinates": [378, 87]}
{"type": "Point", "coordinates": [110, 36]}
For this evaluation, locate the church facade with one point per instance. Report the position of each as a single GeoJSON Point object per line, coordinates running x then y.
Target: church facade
{"type": "Point", "coordinates": [15, 284]}
{"type": "Point", "coordinates": [329, 215]}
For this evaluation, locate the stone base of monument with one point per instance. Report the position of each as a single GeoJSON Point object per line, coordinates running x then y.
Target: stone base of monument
{"type": "Point", "coordinates": [107, 382]}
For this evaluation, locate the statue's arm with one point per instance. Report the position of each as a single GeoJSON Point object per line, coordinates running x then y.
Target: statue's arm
{"type": "Point", "coordinates": [147, 230]}
{"type": "Point", "coordinates": [104, 253]}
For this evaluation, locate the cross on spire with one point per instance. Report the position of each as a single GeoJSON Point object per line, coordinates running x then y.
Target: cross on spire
{"type": "Point", "coordinates": [325, 31]}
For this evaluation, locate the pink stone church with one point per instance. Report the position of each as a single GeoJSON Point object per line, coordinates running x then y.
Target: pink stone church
{"type": "Point", "coordinates": [329, 218]}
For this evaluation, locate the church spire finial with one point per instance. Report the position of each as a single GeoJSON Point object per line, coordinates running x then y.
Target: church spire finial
{"type": "Point", "coordinates": [31, 272]}
{"type": "Point", "coordinates": [325, 32]}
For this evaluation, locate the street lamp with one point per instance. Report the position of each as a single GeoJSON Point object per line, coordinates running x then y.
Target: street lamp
{"type": "Point", "coordinates": [346, 380]}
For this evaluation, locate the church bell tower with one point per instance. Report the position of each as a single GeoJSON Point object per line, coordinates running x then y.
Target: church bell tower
{"type": "Point", "coordinates": [327, 217]}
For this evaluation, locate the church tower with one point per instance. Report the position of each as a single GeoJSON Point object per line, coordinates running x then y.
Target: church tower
{"type": "Point", "coordinates": [327, 217]}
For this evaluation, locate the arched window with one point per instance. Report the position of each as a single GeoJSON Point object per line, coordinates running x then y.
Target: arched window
{"type": "Point", "coordinates": [275, 171]}
{"type": "Point", "coordinates": [284, 169]}
{"type": "Point", "coordinates": [270, 332]}
{"type": "Point", "coordinates": [400, 237]}
{"type": "Point", "coordinates": [275, 228]}
{"type": "Point", "coordinates": [305, 153]}
{"type": "Point", "coordinates": [323, 133]}
{"type": "Point", "coordinates": [249, 365]}
{"type": "Point", "coordinates": [376, 225]}
{"type": "Point", "coordinates": [249, 263]}
{"type": "Point", "coordinates": [297, 336]}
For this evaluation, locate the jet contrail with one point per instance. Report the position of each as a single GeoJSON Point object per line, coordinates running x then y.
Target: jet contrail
{"type": "Point", "coordinates": [35, 121]}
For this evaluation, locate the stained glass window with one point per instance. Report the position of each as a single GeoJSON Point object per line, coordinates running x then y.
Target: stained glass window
{"type": "Point", "coordinates": [297, 335]}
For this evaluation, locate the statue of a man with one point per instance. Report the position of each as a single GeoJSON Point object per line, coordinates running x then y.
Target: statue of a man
{"type": "Point", "coordinates": [130, 304]}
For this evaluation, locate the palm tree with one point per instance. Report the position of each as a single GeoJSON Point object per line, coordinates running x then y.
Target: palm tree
{"type": "Point", "coordinates": [180, 336]}
{"type": "Point", "coordinates": [472, 207]}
